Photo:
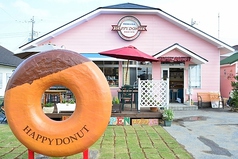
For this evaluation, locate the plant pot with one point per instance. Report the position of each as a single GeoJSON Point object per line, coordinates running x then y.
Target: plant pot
{"type": "Point", "coordinates": [48, 109]}
{"type": "Point", "coordinates": [116, 108]}
{"type": "Point", "coordinates": [187, 103]}
{"type": "Point", "coordinates": [167, 123]}
{"type": "Point", "coordinates": [154, 109]}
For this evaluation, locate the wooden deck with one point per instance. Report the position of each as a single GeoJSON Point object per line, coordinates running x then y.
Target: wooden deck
{"type": "Point", "coordinates": [145, 113]}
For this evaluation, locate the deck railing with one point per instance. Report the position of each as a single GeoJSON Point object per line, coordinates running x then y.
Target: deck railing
{"type": "Point", "coordinates": [152, 93]}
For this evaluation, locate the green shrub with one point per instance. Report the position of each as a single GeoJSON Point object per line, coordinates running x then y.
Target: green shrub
{"type": "Point", "coordinates": [115, 100]}
{"type": "Point", "coordinates": [168, 114]}
{"type": "Point", "coordinates": [49, 104]}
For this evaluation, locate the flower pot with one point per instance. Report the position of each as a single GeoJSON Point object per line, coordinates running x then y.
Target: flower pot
{"type": "Point", "coordinates": [48, 109]}
{"type": "Point", "coordinates": [116, 108]}
{"type": "Point", "coordinates": [154, 109]}
{"type": "Point", "coordinates": [167, 123]}
{"type": "Point", "coordinates": [187, 103]}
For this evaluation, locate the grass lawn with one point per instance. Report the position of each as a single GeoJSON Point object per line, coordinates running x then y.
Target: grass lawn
{"type": "Point", "coordinates": [118, 142]}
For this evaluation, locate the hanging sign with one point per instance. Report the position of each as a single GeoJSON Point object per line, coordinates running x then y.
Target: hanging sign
{"type": "Point", "coordinates": [129, 28]}
{"type": "Point", "coordinates": [174, 59]}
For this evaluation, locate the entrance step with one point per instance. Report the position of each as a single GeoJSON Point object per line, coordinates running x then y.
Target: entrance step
{"type": "Point", "coordinates": [183, 107]}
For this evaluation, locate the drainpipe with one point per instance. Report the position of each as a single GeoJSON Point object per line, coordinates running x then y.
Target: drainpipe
{"type": "Point", "coordinates": [167, 102]}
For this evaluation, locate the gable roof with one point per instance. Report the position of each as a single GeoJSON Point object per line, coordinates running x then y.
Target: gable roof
{"type": "Point", "coordinates": [230, 60]}
{"type": "Point", "coordinates": [128, 8]}
{"type": "Point", "coordinates": [195, 58]}
{"type": "Point", "coordinates": [8, 58]}
{"type": "Point", "coordinates": [235, 47]}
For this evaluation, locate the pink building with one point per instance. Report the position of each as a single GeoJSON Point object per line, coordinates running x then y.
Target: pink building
{"type": "Point", "coordinates": [229, 69]}
{"type": "Point", "coordinates": [189, 57]}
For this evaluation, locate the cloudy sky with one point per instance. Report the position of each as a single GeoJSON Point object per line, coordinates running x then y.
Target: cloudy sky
{"type": "Point", "coordinates": [215, 17]}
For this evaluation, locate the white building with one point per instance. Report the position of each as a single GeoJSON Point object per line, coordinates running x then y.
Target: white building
{"type": "Point", "coordinates": [8, 63]}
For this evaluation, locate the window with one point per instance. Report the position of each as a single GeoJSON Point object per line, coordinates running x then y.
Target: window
{"type": "Point", "coordinates": [134, 70]}
{"type": "Point", "coordinates": [110, 70]}
{"type": "Point", "coordinates": [145, 71]}
{"type": "Point", "coordinates": [8, 76]}
{"type": "Point", "coordinates": [130, 72]}
{"type": "Point", "coordinates": [195, 76]}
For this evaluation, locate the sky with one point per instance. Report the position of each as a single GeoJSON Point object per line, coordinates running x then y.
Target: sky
{"type": "Point", "coordinates": [215, 17]}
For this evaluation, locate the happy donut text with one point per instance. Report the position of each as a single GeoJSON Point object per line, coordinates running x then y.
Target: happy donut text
{"type": "Point", "coordinates": [56, 141]}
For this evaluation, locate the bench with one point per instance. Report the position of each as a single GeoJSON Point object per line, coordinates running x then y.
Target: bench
{"type": "Point", "coordinates": [214, 98]}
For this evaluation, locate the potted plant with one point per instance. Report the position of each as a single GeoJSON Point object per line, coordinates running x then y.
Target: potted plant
{"type": "Point", "coordinates": [168, 116]}
{"type": "Point", "coordinates": [115, 100]}
{"type": "Point", "coordinates": [69, 101]}
{"type": "Point", "coordinates": [116, 106]}
{"type": "Point", "coordinates": [48, 107]}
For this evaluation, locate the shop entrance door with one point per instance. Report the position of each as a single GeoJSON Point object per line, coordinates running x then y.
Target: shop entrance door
{"type": "Point", "coordinates": [176, 85]}
{"type": "Point", "coordinates": [175, 76]}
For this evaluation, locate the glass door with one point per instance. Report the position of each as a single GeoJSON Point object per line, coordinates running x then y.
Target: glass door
{"type": "Point", "coordinates": [165, 73]}
{"type": "Point", "coordinates": [165, 76]}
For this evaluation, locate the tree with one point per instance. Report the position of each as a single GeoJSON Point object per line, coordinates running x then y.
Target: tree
{"type": "Point", "coordinates": [234, 93]}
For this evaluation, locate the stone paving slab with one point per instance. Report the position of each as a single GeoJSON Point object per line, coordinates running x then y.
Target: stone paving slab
{"type": "Point", "coordinates": [207, 133]}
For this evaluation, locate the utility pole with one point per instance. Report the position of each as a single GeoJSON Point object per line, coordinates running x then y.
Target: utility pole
{"type": "Point", "coordinates": [218, 25]}
{"type": "Point", "coordinates": [193, 22]}
{"type": "Point", "coordinates": [32, 28]}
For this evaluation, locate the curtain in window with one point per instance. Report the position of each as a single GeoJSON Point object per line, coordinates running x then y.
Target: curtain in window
{"type": "Point", "coordinates": [195, 76]}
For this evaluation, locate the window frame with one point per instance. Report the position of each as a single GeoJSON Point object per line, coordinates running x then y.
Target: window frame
{"type": "Point", "coordinates": [1, 80]}
{"type": "Point", "coordinates": [113, 81]}
{"type": "Point", "coordinates": [195, 80]}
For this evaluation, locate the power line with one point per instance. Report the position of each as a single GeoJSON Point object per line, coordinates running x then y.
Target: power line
{"type": "Point", "coordinates": [12, 35]}
{"type": "Point", "coordinates": [7, 13]}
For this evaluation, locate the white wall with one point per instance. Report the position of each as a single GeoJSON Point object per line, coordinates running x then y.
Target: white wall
{"type": "Point", "coordinates": [5, 72]}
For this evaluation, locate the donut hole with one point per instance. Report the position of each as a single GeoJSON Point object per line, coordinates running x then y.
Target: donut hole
{"type": "Point", "coordinates": [58, 102]}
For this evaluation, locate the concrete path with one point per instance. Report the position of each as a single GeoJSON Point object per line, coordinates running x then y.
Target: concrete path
{"type": "Point", "coordinates": [207, 133]}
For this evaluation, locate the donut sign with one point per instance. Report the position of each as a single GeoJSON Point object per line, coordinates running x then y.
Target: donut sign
{"type": "Point", "coordinates": [23, 103]}
{"type": "Point", "coordinates": [129, 28]}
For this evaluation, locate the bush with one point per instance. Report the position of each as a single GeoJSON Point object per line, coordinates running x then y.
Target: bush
{"type": "Point", "coordinates": [234, 94]}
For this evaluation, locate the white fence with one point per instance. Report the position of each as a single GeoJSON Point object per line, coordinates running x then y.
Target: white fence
{"type": "Point", "coordinates": [152, 93]}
